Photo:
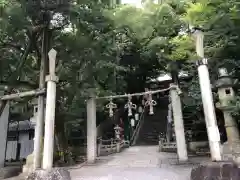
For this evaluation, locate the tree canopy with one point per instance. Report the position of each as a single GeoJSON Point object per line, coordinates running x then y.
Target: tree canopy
{"type": "Point", "coordinates": [115, 48]}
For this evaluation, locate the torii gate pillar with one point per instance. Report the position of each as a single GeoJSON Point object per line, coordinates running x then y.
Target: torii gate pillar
{"type": "Point", "coordinates": [4, 117]}
{"type": "Point", "coordinates": [51, 79]}
{"type": "Point", "coordinates": [178, 124]}
{"type": "Point", "coordinates": [91, 130]}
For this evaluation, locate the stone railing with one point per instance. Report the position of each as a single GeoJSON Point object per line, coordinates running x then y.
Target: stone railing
{"type": "Point", "coordinates": [138, 127]}
{"type": "Point", "coordinates": [165, 146]}
{"type": "Point", "coordinates": [110, 146]}
{"type": "Point", "coordinates": [198, 147]}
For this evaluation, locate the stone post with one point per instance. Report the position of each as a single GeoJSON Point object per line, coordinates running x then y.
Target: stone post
{"type": "Point", "coordinates": [207, 99]}
{"type": "Point", "coordinates": [225, 85]}
{"type": "Point", "coordinates": [4, 117]}
{"type": "Point", "coordinates": [99, 147]}
{"type": "Point", "coordinates": [178, 124]}
{"type": "Point", "coordinates": [118, 138]}
{"type": "Point", "coordinates": [91, 130]}
{"type": "Point", "coordinates": [51, 79]}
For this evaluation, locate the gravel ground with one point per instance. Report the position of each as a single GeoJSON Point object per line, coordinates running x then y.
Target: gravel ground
{"type": "Point", "coordinates": [137, 163]}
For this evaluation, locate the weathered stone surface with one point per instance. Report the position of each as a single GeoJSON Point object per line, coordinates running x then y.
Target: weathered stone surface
{"type": "Point", "coordinates": [216, 171]}
{"type": "Point", "coordinates": [54, 174]}
{"type": "Point", "coordinates": [231, 152]}
{"type": "Point", "coordinates": [8, 172]}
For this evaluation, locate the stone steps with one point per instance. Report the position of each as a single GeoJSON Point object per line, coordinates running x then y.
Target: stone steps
{"type": "Point", "coordinates": [153, 125]}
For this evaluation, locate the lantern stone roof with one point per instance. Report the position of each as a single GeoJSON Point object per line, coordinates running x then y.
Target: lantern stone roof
{"type": "Point", "coordinates": [226, 82]}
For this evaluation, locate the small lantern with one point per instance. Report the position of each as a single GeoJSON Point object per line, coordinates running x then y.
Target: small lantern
{"type": "Point", "coordinates": [132, 122]}
{"type": "Point", "coordinates": [140, 109]}
{"type": "Point", "coordinates": [136, 116]}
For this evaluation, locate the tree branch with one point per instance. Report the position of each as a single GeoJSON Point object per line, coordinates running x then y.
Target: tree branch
{"type": "Point", "coordinates": [20, 84]}
{"type": "Point", "coordinates": [13, 78]}
{"type": "Point", "coordinates": [9, 44]}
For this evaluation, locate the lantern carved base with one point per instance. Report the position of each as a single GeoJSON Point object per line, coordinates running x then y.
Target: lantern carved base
{"type": "Point", "coordinates": [231, 152]}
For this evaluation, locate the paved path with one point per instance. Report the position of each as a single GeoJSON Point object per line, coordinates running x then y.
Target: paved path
{"type": "Point", "coordinates": [135, 163]}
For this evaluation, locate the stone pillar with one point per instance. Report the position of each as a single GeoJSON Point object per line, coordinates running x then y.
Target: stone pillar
{"type": "Point", "coordinates": [178, 124]}
{"type": "Point", "coordinates": [50, 113]}
{"type": "Point", "coordinates": [91, 131]}
{"type": "Point", "coordinates": [39, 130]}
{"type": "Point", "coordinates": [117, 136]}
{"type": "Point", "coordinates": [4, 118]}
{"type": "Point", "coordinates": [207, 100]}
{"type": "Point", "coordinates": [226, 94]}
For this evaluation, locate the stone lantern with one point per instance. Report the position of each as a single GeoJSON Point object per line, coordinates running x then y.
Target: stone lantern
{"type": "Point", "coordinates": [34, 103]}
{"type": "Point", "coordinates": [225, 89]}
{"type": "Point", "coordinates": [117, 132]}
{"type": "Point", "coordinates": [118, 137]}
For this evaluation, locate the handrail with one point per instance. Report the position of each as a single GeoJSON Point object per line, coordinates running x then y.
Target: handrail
{"type": "Point", "coordinates": [136, 131]}
{"type": "Point", "coordinates": [109, 146]}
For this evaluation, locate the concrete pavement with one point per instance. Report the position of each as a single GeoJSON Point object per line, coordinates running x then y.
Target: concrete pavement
{"type": "Point", "coordinates": [135, 163]}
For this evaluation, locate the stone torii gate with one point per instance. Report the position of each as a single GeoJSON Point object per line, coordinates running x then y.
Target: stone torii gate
{"type": "Point", "coordinates": [51, 80]}
{"type": "Point", "coordinates": [47, 160]}
{"type": "Point", "coordinates": [177, 113]}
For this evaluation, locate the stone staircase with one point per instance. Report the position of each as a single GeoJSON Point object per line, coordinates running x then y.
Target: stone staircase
{"type": "Point", "coordinates": [194, 125]}
{"type": "Point", "coordinates": [154, 124]}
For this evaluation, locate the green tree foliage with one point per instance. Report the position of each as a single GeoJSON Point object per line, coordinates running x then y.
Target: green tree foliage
{"type": "Point", "coordinates": [115, 48]}
{"type": "Point", "coordinates": [220, 19]}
